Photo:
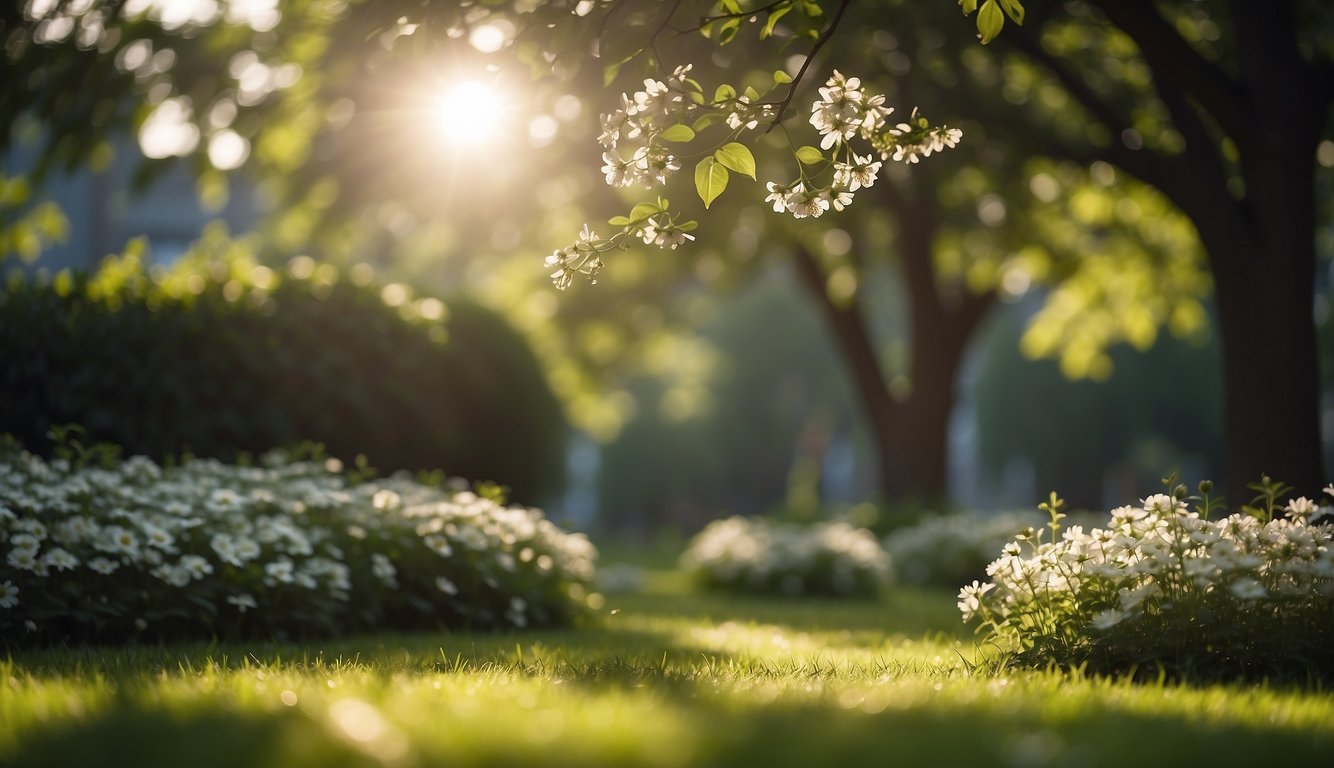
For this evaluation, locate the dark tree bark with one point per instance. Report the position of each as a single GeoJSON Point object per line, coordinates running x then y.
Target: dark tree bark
{"type": "Point", "coordinates": [911, 434]}
{"type": "Point", "coordinates": [1256, 216]}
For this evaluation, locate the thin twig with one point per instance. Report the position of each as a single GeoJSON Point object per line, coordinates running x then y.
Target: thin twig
{"type": "Point", "coordinates": [653, 40]}
{"type": "Point", "coordinates": [706, 20]}
{"type": "Point", "coordinates": [819, 43]}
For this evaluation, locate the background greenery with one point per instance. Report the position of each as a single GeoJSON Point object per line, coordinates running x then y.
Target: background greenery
{"type": "Point", "coordinates": [222, 356]}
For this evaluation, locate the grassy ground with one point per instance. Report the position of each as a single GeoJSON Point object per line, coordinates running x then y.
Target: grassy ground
{"type": "Point", "coordinates": [667, 678]}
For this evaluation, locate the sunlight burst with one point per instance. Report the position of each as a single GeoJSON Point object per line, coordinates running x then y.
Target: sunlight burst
{"type": "Point", "coordinates": [471, 113]}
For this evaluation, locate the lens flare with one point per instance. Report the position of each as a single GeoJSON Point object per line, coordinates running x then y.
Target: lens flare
{"type": "Point", "coordinates": [471, 113]}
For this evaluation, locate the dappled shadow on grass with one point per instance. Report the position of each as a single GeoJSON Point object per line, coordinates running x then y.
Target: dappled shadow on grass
{"type": "Point", "coordinates": [131, 735]}
{"type": "Point", "coordinates": [671, 678]}
{"type": "Point", "coordinates": [754, 722]}
{"type": "Point", "coordinates": [665, 619]}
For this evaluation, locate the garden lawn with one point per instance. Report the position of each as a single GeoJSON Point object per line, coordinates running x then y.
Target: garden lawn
{"type": "Point", "coordinates": [664, 678]}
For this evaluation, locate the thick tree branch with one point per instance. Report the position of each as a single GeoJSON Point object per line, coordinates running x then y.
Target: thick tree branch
{"type": "Point", "coordinates": [919, 223]}
{"type": "Point", "coordinates": [1171, 57]}
{"type": "Point", "coordinates": [1202, 147]}
{"type": "Point", "coordinates": [849, 327]}
{"type": "Point", "coordinates": [1171, 174]}
{"type": "Point", "coordinates": [1025, 41]}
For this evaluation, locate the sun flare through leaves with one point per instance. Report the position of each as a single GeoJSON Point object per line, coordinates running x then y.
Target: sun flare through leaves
{"type": "Point", "coordinates": [471, 113]}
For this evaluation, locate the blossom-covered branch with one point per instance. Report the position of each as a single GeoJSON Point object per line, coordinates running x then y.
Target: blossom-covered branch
{"type": "Point", "coordinates": [639, 137]}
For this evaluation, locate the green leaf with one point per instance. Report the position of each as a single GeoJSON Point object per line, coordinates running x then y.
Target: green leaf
{"type": "Point", "coordinates": [731, 6]}
{"type": "Point", "coordinates": [736, 156]}
{"type": "Point", "coordinates": [710, 180]}
{"type": "Point", "coordinates": [781, 77]}
{"type": "Point", "coordinates": [705, 120]}
{"type": "Point", "coordinates": [677, 133]}
{"type": "Point", "coordinates": [1014, 9]}
{"type": "Point", "coordinates": [727, 30]}
{"type": "Point", "coordinates": [609, 73]}
{"type": "Point", "coordinates": [812, 9]}
{"type": "Point", "coordinates": [724, 93]}
{"type": "Point", "coordinates": [643, 211]}
{"type": "Point", "coordinates": [752, 94]}
{"type": "Point", "coordinates": [774, 16]}
{"type": "Point", "coordinates": [969, 6]}
{"type": "Point", "coordinates": [619, 221]}
{"type": "Point", "coordinates": [809, 155]}
{"type": "Point", "coordinates": [688, 226]}
{"type": "Point", "coordinates": [990, 19]}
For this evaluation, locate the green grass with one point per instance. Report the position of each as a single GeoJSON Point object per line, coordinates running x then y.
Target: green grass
{"type": "Point", "coordinates": [666, 678]}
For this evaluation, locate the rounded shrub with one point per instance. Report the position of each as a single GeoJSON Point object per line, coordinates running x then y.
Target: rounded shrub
{"type": "Point", "coordinates": [1163, 588]}
{"type": "Point", "coordinates": [100, 550]}
{"type": "Point", "coordinates": [744, 554]}
{"type": "Point", "coordinates": [223, 356]}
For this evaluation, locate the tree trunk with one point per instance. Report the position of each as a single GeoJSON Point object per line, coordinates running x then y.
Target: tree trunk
{"type": "Point", "coordinates": [1262, 254]}
{"type": "Point", "coordinates": [1259, 236]}
{"type": "Point", "coordinates": [1271, 412]}
{"type": "Point", "coordinates": [911, 433]}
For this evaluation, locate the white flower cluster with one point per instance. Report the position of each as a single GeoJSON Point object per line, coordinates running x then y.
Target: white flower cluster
{"type": "Point", "coordinates": [643, 117]}
{"type": "Point", "coordinates": [845, 111]}
{"type": "Point", "coordinates": [635, 138]}
{"type": "Point", "coordinates": [909, 142]}
{"type": "Point", "coordinates": [949, 550]}
{"type": "Point", "coordinates": [1160, 584]}
{"type": "Point", "coordinates": [756, 555]}
{"type": "Point", "coordinates": [282, 549]}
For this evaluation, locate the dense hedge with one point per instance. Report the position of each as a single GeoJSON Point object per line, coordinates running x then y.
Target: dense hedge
{"type": "Point", "coordinates": [213, 364]}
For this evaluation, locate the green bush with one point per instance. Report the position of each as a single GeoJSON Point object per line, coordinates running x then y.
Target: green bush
{"type": "Point", "coordinates": [224, 356]}
{"type": "Point", "coordinates": [1163, 588]}
{"type": "Point", "coordinates": [101, 550]}
{"type": "Point", "coordinates": [761, 556]}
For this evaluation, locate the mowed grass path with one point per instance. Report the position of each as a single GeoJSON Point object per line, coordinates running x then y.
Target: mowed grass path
{"type": "Point", "coordinates": [666, 678]}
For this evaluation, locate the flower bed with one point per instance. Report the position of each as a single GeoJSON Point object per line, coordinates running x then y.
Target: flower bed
{"type": "Point", "coordinates": [1164, 588]}
{"type": "Point", "coordinates": [108, 551]}
{"type": "Point", "coordinates": [952, 549]}
{"type": "Point", "coordinates": [756, 555]}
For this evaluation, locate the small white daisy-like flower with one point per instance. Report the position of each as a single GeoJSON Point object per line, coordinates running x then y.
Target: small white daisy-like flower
{"type": "Point", "coordinates": [242, 602]}
{"type": "Point", "coordinates": [970, 598]}
{"type": "Point", "coordinates": [439, 545]}
{"type": "Point", "coordinates": [1109, 618]}
{"type": "Point", "coordinates": [9, 595]}
{"type": "Point", "coordinates": [664, 234]}
{"type": "Point", "coordinates": [382, 568]}
{"type": "Point", "coordinates": [443, 584]}
{"type": "Point", "coordinates": [619, 171]}
{"type": "Point", "coordinates": [247, 549]}
{"type": "Point", "coordinates": [778, 196]}
{"type": "Point", "coordinates": [25, 541]}
{"type": "Point", "coordinates": [280, 571]}
{"type": "Point", "coordinates": [196, 566]}
{"type": "Point", "coordinates": [1301, 508]}
{"type": "Point", "coordinates": [23, 559]}
{"type": "Point", "coordinates": [103, 566]}
{"type": "Point", "coordinates": [802, 202]}
{"type": "Point", "coordinates": [1247, 588]}
{"type": "Point", "coordinates": [654, 164]}
{"type": "Point", "coordinates": [60, 560]}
